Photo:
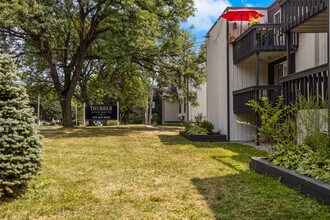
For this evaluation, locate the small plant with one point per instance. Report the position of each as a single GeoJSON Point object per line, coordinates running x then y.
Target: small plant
{"type": "Point", "coordinates": [197, 130]}
{"type": "Point", "coordinates": [187, 125]}
{"type": "Point", "coordinates": [207, 125]}
{"type": "Point", "coordinates": [289, 155]}
{"type": "Point", "coordinates": [253, 21]}
{"type": "Point", "coordinates": [277, 125]}
{"type": "Point", "coordinates": [199, 118]}
{"type": "Point", "coordinates": [156, 119]}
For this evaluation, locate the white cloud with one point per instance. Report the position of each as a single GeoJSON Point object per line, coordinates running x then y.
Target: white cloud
{"type": "Point", "coordinates": [244, 2]}
{"type": "Point", "coordinates": [207, 12]}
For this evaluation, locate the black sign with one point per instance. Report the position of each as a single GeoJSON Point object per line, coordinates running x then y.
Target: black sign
{"type": "Point", "coordinates": [101, 112]}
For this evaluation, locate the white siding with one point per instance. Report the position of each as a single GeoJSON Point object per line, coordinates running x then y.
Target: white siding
{"type": "Point", "coordinates": [217, 76]}
{"type": "Point", "coordinates": [312, 51]}
{"type": "Point", "coordinates": [201, 108]}
{"type": "Point", "coordinates": [170, 111]}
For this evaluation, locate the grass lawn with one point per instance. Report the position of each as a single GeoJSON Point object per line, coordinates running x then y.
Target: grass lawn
{"type": "Point", "coordinates": [133, 172]}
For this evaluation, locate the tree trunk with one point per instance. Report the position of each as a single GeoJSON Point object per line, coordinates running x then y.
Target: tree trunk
{"type": "Point", "coordinates": [66, 112]}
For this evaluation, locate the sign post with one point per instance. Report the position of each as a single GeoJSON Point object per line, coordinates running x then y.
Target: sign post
{"type": "Point", "coordinates": [101, 112]}
{"type": "Point", "coordinates": [84, 115]}
{"type": "Point", "coordinates": [117, 114]}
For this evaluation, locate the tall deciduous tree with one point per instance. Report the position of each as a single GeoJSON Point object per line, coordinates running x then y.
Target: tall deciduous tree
{"type": "Point", "coordinates": [61, 35]}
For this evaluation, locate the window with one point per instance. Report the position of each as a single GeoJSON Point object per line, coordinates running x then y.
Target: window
{"type": "Point", "coordinates": [280, 70]}
{"type": "Point", "coordinates": [277, 17]}
{"type": "Point", "coordinates": [180, 107]}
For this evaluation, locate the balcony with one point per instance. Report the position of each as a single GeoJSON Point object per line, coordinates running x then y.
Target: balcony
{"type": "Point", "coordinates": [311, 82]}
{"type": "Point", "coordinates": [260, 38]}
{"type": "Point", "coordinates": [241, 97]}
{"type": "Point", "coordinates": [304, 16]}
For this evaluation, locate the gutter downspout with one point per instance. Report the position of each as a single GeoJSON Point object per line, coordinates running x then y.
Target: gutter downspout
{"type": "Point", "coordinates": [228, 86]}
{"type": "Point", "coordinates": [328, 71]}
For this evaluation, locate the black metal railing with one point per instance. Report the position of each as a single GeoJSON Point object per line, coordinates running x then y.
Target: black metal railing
{"type": "Point", "coordinates": [241, 97]}
{"type": "Point", "coordinates": [311, 82]}
{"type": "Point", "coordinates": [295, 12]}
{"type": "Point", "coordinates": [258, 38]}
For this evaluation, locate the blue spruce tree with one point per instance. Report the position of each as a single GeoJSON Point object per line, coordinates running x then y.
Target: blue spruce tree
{"type": "Point", "coordinates": [20, 147]}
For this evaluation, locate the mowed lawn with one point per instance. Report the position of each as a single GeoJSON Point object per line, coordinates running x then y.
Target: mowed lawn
{"type": "Point", "coordinates": [134, 172]}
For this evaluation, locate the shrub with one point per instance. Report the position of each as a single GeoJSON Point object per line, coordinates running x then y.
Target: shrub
{"type": "Point", "coordinates": [197, 130]}
{"type": "Point", "coordinates": [20, 147]}
{"type": "Point", "coordinates": [207, 125]}
{"type": "Point", "coordinates": [289, 155]}
{"type": "Point", "coordinates": [156, 119]}
{"type": "Point", "coordinates": [317, 141]}
{"type": "Point", "coordinates": [314, 166]}
{"type": "Point", "coordinates": [272, 116]}
{"type": "Point", "coordinates": [133, 118]}
{"type": "Point", "coordinates": [187, 125]}
{"type": "Point", "coordinates": [199, 118]}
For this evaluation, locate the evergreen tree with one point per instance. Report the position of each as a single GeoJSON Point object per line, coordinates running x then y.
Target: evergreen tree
{"type": "Point", "coordinates": [20, 147]}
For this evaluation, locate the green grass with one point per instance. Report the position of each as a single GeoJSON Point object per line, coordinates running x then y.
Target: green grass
{"type": "Point", "coordinates": [133, 172]}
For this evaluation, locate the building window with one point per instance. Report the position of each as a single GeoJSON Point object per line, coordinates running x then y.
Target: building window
{"type": "Point", "coordinates": [180, 108]}
{"type": "Point", "coordinates": [280, 70]}
{"type": "Point", "coordinates": [277, 17]}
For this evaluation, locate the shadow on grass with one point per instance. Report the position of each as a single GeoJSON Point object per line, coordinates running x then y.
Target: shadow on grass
{"type": "Point", "coordinates": [238, 193]}
{"type": "Point", "coordinates": [243, 151]}
{"type": "Point", "coordinates": [247, 195]}
{"type": "Point", "coordinates": [99, 131]}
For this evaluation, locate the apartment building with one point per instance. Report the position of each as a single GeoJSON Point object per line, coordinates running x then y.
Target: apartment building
{"type": "Point", "coordinates": [285, 53]}
{"type": "Point", "coordinates": [174, 112]}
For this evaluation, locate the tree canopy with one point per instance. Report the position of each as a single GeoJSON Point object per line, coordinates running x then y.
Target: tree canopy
{"type": "Point", "coordinates": [58, 38]}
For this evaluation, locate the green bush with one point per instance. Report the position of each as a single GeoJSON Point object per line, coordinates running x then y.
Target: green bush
{"type": "Point", "coordinates": [197, 130]}
{"type": "Point", "coordinates": [277, 124]}
{"type": "Point", "coordinates": [134, 118]}
{"type": "Point", "coordinates": [315, 166]}
{"type": "Point", "coordinates": [289, 155]}
{"type": "Point", "coordinates": [207, 125]}
{"type": "Point", "coordinates": [187, 125]}
{"type": "Point", "coordinates": [303, 160]}
{"type": "Point", "coordinates": [156, 119]}
{"type": "Point", "coordinates": [319, 143]}
{"type": "Point", "coordinates": [20, 147]}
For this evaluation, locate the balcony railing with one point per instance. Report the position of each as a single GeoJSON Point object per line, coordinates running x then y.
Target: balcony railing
{"type": "Point", "coordinates": [241, 97]}
{"type": "Point", "coordinates": [295, 12]}
{"type": "Point", "coordinates": [311, 82]}
{"type": "Point", "coordinates": [258, 38]}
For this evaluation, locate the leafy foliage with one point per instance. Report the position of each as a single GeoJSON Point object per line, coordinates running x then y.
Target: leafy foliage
{"type": "Point", "coordinates": [156, 119]}
{"type": "Point", "coordinates": [20, 147]}
{"type": "Point", "coordinates": [70, 42]}
{"type": "Point", "coordinates": [289, 155]}
{"type": "Point", "coordinates": [207, 125]}
{"type": "Point", "coordinates": [187, 125]}
{"type": "Point", "coordinates": [197, 130]}
{"type": "Point", "coordinates": [312, 157]}
{"type": "Point", "coordinates": [276, 120]}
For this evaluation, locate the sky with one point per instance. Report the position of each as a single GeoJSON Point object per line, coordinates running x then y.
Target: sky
{"type": "Point", "coordinates": [208, 11]}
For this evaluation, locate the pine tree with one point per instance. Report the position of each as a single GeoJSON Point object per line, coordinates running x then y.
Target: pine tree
{"type": "Point", "coordinates": [20, 146]}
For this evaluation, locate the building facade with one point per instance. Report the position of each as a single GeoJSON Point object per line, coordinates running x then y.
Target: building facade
{"type": "Point", "coordinates": [175, 112]}
{"type": "Point", "coordinates": [286, 53]}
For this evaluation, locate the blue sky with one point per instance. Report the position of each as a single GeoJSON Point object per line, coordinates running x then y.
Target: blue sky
{"type": "Point", "coordinates": [208, 11]}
